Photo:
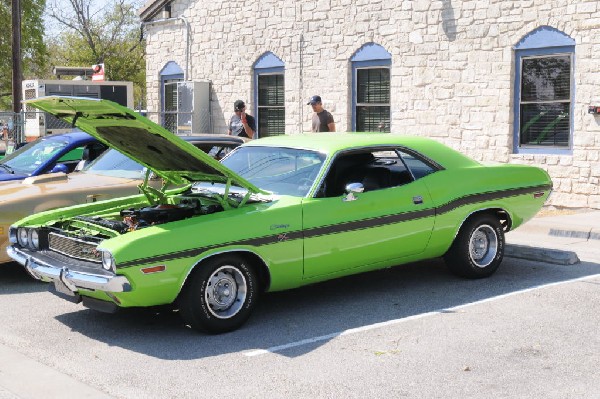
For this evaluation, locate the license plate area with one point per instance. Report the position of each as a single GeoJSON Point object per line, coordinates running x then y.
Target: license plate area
{"type": "Point", "coordinates": [62, 288]}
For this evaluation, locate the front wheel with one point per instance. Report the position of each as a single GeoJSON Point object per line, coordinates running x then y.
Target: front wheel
{"type": "Point", "coordinates": [220, 295]}
{"type": "Point", "coordinates": [478, 249]}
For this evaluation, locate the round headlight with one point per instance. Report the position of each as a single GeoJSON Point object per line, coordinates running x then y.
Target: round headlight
{"type": "Point", "coordinates": [13, 235]}
{"type": "Point", "coordinates": [34, 239]}
{"type": "Point", "coordinates": [108, 262]}
{"type": "Point", "coordinates": [22, 236]}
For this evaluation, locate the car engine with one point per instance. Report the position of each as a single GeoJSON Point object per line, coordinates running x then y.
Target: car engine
{"type": "Point", "coordinates": [132, 219]}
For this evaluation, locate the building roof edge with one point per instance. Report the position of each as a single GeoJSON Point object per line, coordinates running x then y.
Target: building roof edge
{"type": "Point", "coordinates": [151, 8]}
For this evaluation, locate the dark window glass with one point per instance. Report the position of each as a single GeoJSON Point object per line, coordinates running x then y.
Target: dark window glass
{"type": "Point", "coordinates": [372, 119]}
{"type": "Point", "coordinates": [271, 111]}
{"type": "Point", "coordinates": [418, 167]}
{"type": "Point", "coordinates": [546, 79]}
{"type": "Point", "coordinates": [545, 101]}
{"type": "Point", "coordinates": [545, 124]}
{"type": "Point", "coordinates": [270, 90]}
{"type": "Point", "coordinates": [373, 100]}
{"type": "Point", "coordinates": [271, 122]}
{"type": "Point", "coordinates": [170, 105]}
{"type": "Point", "coordinates": [373, 86]}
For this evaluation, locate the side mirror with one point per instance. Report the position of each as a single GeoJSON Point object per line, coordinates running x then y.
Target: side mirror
{"type": "Point", "coordinates": [354, 188]}
{"type": "Point", "coordinates": [351, 189]}
{"type": "Point", "coordinates": [60, 167]}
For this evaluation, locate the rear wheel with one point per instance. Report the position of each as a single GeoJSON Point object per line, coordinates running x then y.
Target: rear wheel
{"type": "Point", "coordinates": [478, 248]}
{"type": "Point", "coordinates": [219, 295]}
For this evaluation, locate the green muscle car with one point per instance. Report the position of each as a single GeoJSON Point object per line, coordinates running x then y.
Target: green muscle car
{"type": "Point", "coordinates": [276, 213]}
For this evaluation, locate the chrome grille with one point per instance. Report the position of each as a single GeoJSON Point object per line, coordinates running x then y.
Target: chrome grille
{"type": "Point", "coordinates": [73, 247]}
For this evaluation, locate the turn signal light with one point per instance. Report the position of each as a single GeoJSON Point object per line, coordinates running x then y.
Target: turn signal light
{"type": "Point", "coordinates": [154, 269]}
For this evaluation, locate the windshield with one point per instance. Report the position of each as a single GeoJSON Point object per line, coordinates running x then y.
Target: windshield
{"type": "Point", "coordinates": [30, 157]}
{"type": "Point", "coordinates": [113, 163]}
{"type": "Point", "coordinates": [283, 171]}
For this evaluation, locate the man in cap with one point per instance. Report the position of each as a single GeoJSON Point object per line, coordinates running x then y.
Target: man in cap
{"type": "Point", "coordinates": [241, 124]}
{"type": "Point", "coordinates": [322, 120]}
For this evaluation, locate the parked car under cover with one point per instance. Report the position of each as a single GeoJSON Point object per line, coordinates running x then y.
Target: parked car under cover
{"type": "Point", "coordinates": [111, 175]}
{"type": "Point", "coordinates": [49, 154]}
{"type": "Point", "coordinates": [277, 213]}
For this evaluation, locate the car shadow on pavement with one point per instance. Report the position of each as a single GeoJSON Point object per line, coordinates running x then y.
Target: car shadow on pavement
{"type": "Point", "coordinates": [323, 311]}
{"type": "Point", "coordinates": [15, 280]}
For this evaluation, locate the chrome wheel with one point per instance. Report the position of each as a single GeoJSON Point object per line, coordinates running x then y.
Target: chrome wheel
{"type": "Point", "coordinates": [226, 292]}
{"type": "Point", "coordinates": [483, 245]}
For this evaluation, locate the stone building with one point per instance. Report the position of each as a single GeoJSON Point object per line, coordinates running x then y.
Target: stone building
{"type": "Point", "coordinates": [501, 81]}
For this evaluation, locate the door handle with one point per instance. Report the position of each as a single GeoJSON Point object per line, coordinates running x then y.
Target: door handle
{"type": "Point", "coordinates": [417, 200]}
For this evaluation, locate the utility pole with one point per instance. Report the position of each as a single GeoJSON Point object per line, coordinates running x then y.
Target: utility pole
{"type": "Point", "coordinates": [17, 76]}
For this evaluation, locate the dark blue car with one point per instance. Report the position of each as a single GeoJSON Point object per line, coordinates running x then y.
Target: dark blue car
{"type": "Point", "coordinates": [50, 154]}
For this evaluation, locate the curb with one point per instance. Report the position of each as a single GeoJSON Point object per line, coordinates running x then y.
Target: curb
{"type": "Point", "coordinates": [587, 235]}
{"type": "Point", "coordinates": [579, 225]}
{"type": "Point", "coordinates": [554, 256]}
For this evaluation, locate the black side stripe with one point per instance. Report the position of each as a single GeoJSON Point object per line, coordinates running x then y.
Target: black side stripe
{"type": "Point", "coordinates": [343, 227]}
{"type": "Point", "coordinates": [490, 196]}
{"type": "Point", "coordinates": [368, 223]}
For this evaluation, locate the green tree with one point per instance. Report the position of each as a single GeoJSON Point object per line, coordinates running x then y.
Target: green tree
{"type": "Point", "coordinates": [108, 33]}
{"type": "Point", "coordinates": [34, 55]}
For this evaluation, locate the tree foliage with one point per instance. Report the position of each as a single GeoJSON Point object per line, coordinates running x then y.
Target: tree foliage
{"type": "Point", "coordinates": [92, 33]}
{"type": "Point", "coordinates": [33, 50]}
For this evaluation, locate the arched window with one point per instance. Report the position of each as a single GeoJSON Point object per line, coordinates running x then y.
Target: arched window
{"type": "Point", "coordinates": [371, 66]}
{"type": "Point", "coordinates": [544, 92]}
{"type": "Point", "coordinates": [269, 95]}
{"type": "Point", "coordinates": [169, 76]}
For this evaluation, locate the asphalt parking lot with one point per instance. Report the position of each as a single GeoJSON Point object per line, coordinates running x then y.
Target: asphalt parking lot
{"type": "Point", "coordinates": [531, 330]}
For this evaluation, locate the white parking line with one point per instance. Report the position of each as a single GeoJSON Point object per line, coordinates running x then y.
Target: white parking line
{"type": "Point", "coordinates": [308, 341]}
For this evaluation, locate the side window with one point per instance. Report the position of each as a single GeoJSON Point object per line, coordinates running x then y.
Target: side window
{"type": "Point", "coordinates": [418, 167]}
{"type": "Point", "coordinates": [215, 151]}
{"type": "Point", "coordinates": [74, 155]}
{"type": "Point", "coordinates": [374, 169]}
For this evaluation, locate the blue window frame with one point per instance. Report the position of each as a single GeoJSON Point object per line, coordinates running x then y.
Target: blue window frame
{"type": "Point", "coordinates": [371, 67]}
{"type": "Point", "coordinates": [169, 75]}
{"type": "Point", "coordinates": [269, 95]}
{"type": "Point", "coordinates": [544, 93]}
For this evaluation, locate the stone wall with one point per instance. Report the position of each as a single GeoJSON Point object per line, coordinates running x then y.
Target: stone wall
{"type": "Point", "coordinates": [452, 68]}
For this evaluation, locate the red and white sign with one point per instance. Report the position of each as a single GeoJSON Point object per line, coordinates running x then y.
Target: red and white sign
{"type": "Point", "coordinates": [98, 74]}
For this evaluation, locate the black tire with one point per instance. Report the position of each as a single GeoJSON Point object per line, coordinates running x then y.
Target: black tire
{"type": "Point", "coordinates": [478, 249]}
{"type": "Point", "coordinates": [220, 295]}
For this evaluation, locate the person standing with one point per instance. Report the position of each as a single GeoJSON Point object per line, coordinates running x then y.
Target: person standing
{"type": "Point", "coordinates": [241, 124]}
{"type": "Point", "coordinates": [322, 120]}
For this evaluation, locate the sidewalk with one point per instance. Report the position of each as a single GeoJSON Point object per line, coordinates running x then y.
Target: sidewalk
{"type": "Point", "coordinates": [583, 224]}
{"type": "Point", "coordinates": [554, 237]}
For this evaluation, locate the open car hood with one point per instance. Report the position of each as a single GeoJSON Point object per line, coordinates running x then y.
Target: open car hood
{"type": "Point", "coordinates": [170, 157]}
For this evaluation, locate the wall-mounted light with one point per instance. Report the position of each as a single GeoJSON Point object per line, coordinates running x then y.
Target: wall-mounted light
{"type": "Point", "coordinates": [166, 12]}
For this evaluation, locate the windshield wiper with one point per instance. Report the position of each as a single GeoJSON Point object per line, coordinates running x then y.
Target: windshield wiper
{"type": "Point", "coordinates": [10, 170]}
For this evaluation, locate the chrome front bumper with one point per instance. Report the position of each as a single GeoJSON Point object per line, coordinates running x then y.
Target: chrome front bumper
{"type": "Point", "coordinates": [72, 279]}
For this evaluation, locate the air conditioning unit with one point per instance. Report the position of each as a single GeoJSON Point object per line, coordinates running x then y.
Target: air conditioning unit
{"type": "Point", "coordinates": [187, 107]}
{"type": "Point", "coordinates": [39, 123]}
